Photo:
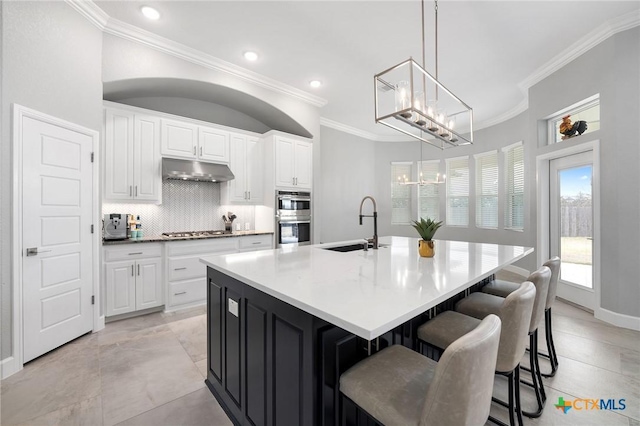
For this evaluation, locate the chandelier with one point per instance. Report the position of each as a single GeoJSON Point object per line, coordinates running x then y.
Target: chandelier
{"type": "Point", "coordinates": [412, 101]}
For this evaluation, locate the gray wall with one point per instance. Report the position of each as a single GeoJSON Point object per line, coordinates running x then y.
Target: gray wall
{"type": "Point", "coordinates": [199, 110]}
{"type": "Point", "coordinates": [51, 63]}
{"type": "Point", "coordinates": [611, 69]}
{"type": "Point", "coordinates": [348, 175]}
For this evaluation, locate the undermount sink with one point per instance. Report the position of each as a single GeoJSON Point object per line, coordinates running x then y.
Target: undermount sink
{"type": "Point", "coordinates": [353, 247]}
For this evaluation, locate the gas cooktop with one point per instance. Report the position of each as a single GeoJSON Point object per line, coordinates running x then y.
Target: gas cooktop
{"type": "Point", "coordinates": [194, 234]}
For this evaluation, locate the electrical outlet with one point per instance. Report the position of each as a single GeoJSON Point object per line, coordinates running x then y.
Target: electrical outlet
{"type": "Point", "coordinates": [246, 226]}
{"type": "Point", "coordinates": [238, 227]}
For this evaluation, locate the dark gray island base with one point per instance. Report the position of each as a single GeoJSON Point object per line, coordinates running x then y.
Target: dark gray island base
{"type": "Point", "coordinates": [270, 363]}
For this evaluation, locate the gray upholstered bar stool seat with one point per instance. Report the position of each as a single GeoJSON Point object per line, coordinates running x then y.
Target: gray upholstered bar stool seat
{"type": "Point", "coordinates": [503, 288]}
{"type": "Point", "coordinates": [480, 304]}
{"type": "Point", "coordinates": [398, 386]}
{"type": "Point", "coordinates": [515, 314]}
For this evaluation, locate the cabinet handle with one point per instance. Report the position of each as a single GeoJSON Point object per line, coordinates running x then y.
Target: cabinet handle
{"type": "Point", "coordinates": [130, 191]}
{"type": "Point", "coordinates": [257, 242]}
{"type": "Point", "coordinates": [136, 192]}
{"type": "Point", "coordinates": [200, 151]}
{"type": "Point", "coordinates": [131, 270]}
{"type": "Point", "coordinates": [138, 270]}
{"type": "Point", "coordinates": [179, 269]}
{"type": "Point", "coordinates": [249, 197]}
{"type": "Point", "coordinates": [131, 254]}
{"type": "Point", "coordinates": [194, 150]}
{"type": "Point", "coordinates": [178, 294]}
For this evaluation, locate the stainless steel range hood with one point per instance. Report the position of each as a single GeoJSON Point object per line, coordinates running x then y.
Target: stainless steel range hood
{"type": "Point", "coordinates": [195, 171]}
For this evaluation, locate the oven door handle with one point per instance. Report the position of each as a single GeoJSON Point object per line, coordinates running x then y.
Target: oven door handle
{"type": "Point", "coordinates": [295, 198]}
{"type": "Point", "coordinates": [293, 222]}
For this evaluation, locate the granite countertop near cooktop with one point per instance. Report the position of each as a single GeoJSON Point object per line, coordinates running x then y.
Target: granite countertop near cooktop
{"type": "Point", "coordinates": [162, 238]}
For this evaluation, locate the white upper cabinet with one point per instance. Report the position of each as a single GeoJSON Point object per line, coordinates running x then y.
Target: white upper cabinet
{"type": "Point", "coordinates": [132, 157]}
{"type": "Point", "coordinates": [213, 145]}
{"type": "Point", "coordinates": [302, 164]}
{"type": "Point", "coordinates": [236, 189]}
{"type": "Point", "coordinates": [179, 139]}
{"type": "Point", "coordinates": [118, 155]}
{"type": "Point", "coordinates": [245, 161]}
{"type": "Point", "coordinates": [185, 140]}
{"type": "Point", "coordinates": [147, 173]}
{"type": "Point", "coordinates": [255, 170]}
{"type": "Point", "coordinates": [293, 163]}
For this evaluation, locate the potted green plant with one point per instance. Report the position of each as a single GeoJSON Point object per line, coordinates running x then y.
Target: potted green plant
{"type": "Point", "coordinates": [427, 229]}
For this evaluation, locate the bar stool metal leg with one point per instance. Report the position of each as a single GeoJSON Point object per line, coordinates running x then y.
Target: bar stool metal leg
{"type": "Point", "coordinates": [551, 347]}
{"type": "Point", "coordinates": [536, 377]}
{"type": "Point", "coordinates": [514, 400]}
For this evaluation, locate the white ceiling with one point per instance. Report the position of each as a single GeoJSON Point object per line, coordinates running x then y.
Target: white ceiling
{"type": "Point", "coordinates": [486, 48]}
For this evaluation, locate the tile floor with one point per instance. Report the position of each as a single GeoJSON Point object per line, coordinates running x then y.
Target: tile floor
{"type": "Point", "coordinates": [150, 371]}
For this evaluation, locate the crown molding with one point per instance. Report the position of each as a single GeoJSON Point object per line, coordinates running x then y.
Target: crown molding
{"type": "Point", "coordinates": [326, 122]}
{"type": "Point", "coordinates": [130, 32]}
{"type": "Point", "coordinates": [586, 43]}
{"type": "Point", "coordinates": [90, 11]}
{"type": "Point", "coordinates": [522, 106]}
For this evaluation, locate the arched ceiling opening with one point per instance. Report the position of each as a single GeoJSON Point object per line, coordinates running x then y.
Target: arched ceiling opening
{"type": "Point", "coordinates": [270, 116]}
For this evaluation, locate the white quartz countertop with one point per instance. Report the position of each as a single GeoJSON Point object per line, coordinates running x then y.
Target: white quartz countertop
{"type": "Point", "coordinates": [367, 292]}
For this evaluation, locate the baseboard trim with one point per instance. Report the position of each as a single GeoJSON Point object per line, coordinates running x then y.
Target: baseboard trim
{"type": "Point", "coordinates": [517, 270]}
{"type": "Point", "coordinates": [9, 366]}
{"type": "Point", "coordinates": [619, 320]}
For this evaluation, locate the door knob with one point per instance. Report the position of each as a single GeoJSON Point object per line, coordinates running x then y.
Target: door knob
{"type": "Point", "coordinates": [33, 251]}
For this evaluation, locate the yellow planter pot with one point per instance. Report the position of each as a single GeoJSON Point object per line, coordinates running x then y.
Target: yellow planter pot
{"type": "Point", "coordinates": [426, 248]}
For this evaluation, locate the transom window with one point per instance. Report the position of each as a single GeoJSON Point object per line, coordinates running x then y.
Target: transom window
{"type": "Point", "coordinates": [580, 118]}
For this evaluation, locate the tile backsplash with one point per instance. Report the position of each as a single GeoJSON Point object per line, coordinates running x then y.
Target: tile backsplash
{"type": "Point", "coordinates": [186, 206]}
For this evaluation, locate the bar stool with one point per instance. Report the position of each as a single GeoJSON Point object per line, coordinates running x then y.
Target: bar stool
{"type": "Point", "coordinates": [398, 386]}
{"type": "Point", "coordinates": [515, 314]}
{"type": "Point", "coordinates": [480, 304]}
{"type": "Point", "coordinates": [503, 288]}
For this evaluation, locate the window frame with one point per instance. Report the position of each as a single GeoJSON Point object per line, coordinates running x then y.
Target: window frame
{"type": "Point", "coordinates": [478, 182]}
{"type": "Point", "coordinates": [507, 194]}
{"type": "Point", "coordinates": [434, 185]}
{"type": "Point", "coordinates": [576, 108]}
{"type": "Point", "coordinates": [448, 162]}
{"type": "Point", "coordinates": [393, 182]}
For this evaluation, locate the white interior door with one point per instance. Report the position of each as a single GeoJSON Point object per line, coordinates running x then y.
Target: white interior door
{"type": "Point", "coordinates": [57, 267]}
{"type": "Point", "coordinates": [572, 226]}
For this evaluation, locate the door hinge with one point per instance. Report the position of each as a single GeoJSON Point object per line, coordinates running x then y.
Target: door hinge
{"type": "Point", "coordinates": [92, 229]}
{"type": "Point", "coordinates": [93, 300]}
{"type": "Point", "coordinates": [92, 156]}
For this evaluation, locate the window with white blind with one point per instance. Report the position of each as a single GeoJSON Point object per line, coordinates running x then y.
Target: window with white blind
{"type": "Point", "coordinates": [400, 194]}
{"type": "Point", "coordinates": [428, 194]}
{"type": "Point", "coordinates": [514, 186]}
{"type": "Point", "coordinates": [487, 190]}
{"type": "Point", "coordinates": [458, 191]}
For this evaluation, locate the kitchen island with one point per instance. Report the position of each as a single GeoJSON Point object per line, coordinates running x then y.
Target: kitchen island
{"type": "Point", "coordinates": [284, 324]}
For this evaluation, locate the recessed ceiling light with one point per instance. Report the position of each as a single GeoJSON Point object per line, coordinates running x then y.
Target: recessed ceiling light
{"type": "Point", "coordinates": [150, 13]}
{"type": "Point", "coordinates": [250, 56]}
{"type": "Point", "coordinates": [315, 83]}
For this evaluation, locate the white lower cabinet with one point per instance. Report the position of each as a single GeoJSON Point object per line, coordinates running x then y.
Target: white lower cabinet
{"type": "Point", "coordinates": [186, 275]}
{"type": "Point", "coordinates": [133, 278]}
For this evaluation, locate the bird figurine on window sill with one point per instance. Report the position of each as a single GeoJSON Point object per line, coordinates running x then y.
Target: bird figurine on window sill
{"type": "Point", "coordinates": [569, 130]}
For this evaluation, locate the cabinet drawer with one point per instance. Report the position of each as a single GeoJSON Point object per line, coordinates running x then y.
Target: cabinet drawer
{"type": "Point", "coordinates": [255, 242]}
{"type": "Point", "coordinates": [190, 291]}
{"type": "Point", "coordinates": [184, 268]}
{"type": "Point", "coordinates": [202, 248]}
{"type": "Point", "coordinates": [132, 251]}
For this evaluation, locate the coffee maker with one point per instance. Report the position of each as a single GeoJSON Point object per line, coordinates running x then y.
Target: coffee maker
{"type": "Point", "coordinates": [116, 226]}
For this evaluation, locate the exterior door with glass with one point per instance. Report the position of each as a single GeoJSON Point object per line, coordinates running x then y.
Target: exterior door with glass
{"type": "Point", "coordinates": [571, 226]}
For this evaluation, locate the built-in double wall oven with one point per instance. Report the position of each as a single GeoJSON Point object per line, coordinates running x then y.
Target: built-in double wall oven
{"type": "Point", "coordinates": [293, 218]}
